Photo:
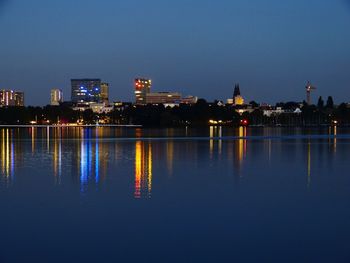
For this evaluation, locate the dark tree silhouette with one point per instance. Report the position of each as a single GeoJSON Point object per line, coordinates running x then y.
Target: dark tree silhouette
{"type": "Point", "coordinates": [330, 103]}
{"type": "Point", "coordinates": [320, 103]}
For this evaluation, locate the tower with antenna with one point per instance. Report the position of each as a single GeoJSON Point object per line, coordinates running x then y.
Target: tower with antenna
{"type": "Point", "coordinates": [309, 88]}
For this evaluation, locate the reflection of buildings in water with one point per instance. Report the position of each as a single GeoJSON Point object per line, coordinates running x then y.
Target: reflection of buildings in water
{"type": "Point", "coordinates": [240, 148]}
{"type": "Point", "coordinates": [33, 136]}
{"type": "Point", "coordinates": [269, 143]}
{"type": "Point", "coordinates": [242, 143]}
{"type": "Point", "coordinates": [170, 156]}
{"type": "Point", "coordinates": [220, 140]}
{"type": "Point", "coordinates": [138, 133]}
{"type": "Point", "coordinates": [211, 141]}
{"type": "Point", "coordinates": [143, 169]}
{"type": "Point", "coordinates": [57, 153]}
{"type": "Point", "coordinates": [309, 163]}
{"type": "Point", "coordinates": [48, 138]}
{"type": "Point", "coordinates": [7, 155]}
{"type": "Point", "coordinates": [11, 154]}
{"type": "Point", "coordinates": [335, 139]}
{"type": "Point", "coordinates": [91, 161]}
{"type": "Point", "coordinates": [215, 136]}
{"type": "Point", "coordinates": [170, 151]}
{"type": "Point", "coordinates": [267, 132]}
{"type": "Point", "coordinates": [333, 131]}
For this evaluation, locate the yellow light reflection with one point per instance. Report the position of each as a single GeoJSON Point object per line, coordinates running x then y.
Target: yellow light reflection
{"type": "Point", "coordinates": [242, 143]}
{"type": "Point", "coordinates": [211, 141]}
{"type": "Point", "coordinates": [7, 155]}
{"type": "Point", "coordinates": [138, 169]}
{"type": "Point", "coordinates": [215, 138]}
{"type": "Point", "coordinates": [48, 138]}
{"type": "Point", "coordinates": [143, 170]}
{"type": "Point", "coordinates": [33, 139]}
{"type": "Point", "coordinates": [240, 149]}
{"type": "Point", "coordinates": [57, 156]}
{"type": "Point", "coordinates": [220, 140]}
{"type": "Point", "coordinates": [149, 169]}
{"type": "Point", "coordinates": [170, 156]}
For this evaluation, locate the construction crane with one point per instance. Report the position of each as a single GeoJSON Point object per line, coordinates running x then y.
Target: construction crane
{"type": "Point", "coordinates": [309, 88]}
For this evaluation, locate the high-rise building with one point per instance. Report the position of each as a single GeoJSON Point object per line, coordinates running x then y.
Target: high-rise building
{"type": "Point", "coordinates": [86, 90]}
{"type": "Point", "coordinates": [19, 99]}
{"type": "Point", "coordinates": [142, 88]}
{"type": "Point", "coordinates": [56, 97]}
{"type": "Point", "coordinates": [7, 98]}
{"type": "Point", "coordinates": [11, 98]}
{"type": "Point", "coordinates": [105, 92]}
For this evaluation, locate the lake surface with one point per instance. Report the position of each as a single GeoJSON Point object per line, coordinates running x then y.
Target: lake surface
{"type": "Point", "coordinates": [174, 195]}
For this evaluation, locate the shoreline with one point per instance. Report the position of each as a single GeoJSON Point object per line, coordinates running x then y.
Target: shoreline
{"type": "Point", "coordinates": [69, 126]}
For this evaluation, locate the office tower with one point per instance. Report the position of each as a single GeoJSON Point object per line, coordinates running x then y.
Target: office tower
{"type": "Point", "coordinates": [7, 98]}
{"type": "Point", "coordinates": [105, 92]}
{"type": "Point", "coordinates": [86, 90]}
{"type": "Point", "coordinates": [56, 97]}
{"type": "Point", "coordinates": [237, 98]}
{"type": "Point", "coordinates": [19, 99]}
{"type": "Point", "coordinates": [142, 88]}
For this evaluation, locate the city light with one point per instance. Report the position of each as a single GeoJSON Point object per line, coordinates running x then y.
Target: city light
{"type": "Point", "coordinates": [244, 122]}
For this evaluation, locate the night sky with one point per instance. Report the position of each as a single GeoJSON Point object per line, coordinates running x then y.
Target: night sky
{"type": "Point", "coordinates": [201, 47]}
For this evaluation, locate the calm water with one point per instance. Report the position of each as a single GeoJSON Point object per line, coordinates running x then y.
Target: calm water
{"type": "Point", "coordinates": [174, 195]}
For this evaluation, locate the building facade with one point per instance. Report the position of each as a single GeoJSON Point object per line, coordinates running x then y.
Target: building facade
{"type": "Point", "coordinates": [105, 93]}
{"type": "Point", "coordinates": [7, 98]}
{"type": "Point", "coordinates": [163, 98]}
{"type": "Point", "coordinates": [189, 100]}
{"type": "Point", "coordinates": [11, 98]}
{"type": "Point", "coordinates": [56, 97]}
{"type": "Point", "coordinates": [237, 98]}
{"type": "Point", "coordinates": [142, 88]}
{"type": "Point", "coordinates": [19, 99]}
{"type": "Point", "coordinates": [86, 90]}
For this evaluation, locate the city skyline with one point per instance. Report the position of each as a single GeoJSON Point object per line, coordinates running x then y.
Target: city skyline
{"type": "Point", "coordinates": [101, 94]}
{"type": "Point", "coordinates": [270, 48]}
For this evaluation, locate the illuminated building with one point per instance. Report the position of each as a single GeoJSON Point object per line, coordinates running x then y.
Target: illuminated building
{"type": "Point", "coordinates": [56, 97]}
{"type": "Point", "coordinates": [11, 98]}
{"type": "Point", "coordinates": [86, 90]}
{"type": "Point", "coordinates": [237, 98]}
{"type": "Point", "coordinates": [105, 92]}
{"type": "Point", "coordinates": [189, 100]}
{"type": "Point", "coordinates": [7, 98]}
{"type": "Point", "coordinates": [229, 101]}
{"type": "Point", "coordinates": [163, 98]}
{"type": "Point", "coordinates": [19, 99]}
{"type": "Point", "coordinates": [142, 88]}
{"type": "Point", "coordinates": [100, 108]}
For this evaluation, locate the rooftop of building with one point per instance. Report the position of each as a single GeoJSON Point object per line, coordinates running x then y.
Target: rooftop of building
{"type": "Point", "coordinates": [85, 79]}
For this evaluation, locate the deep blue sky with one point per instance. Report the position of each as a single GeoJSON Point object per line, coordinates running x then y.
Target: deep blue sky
{"type": "Point", "coordinates": [200, 47]}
